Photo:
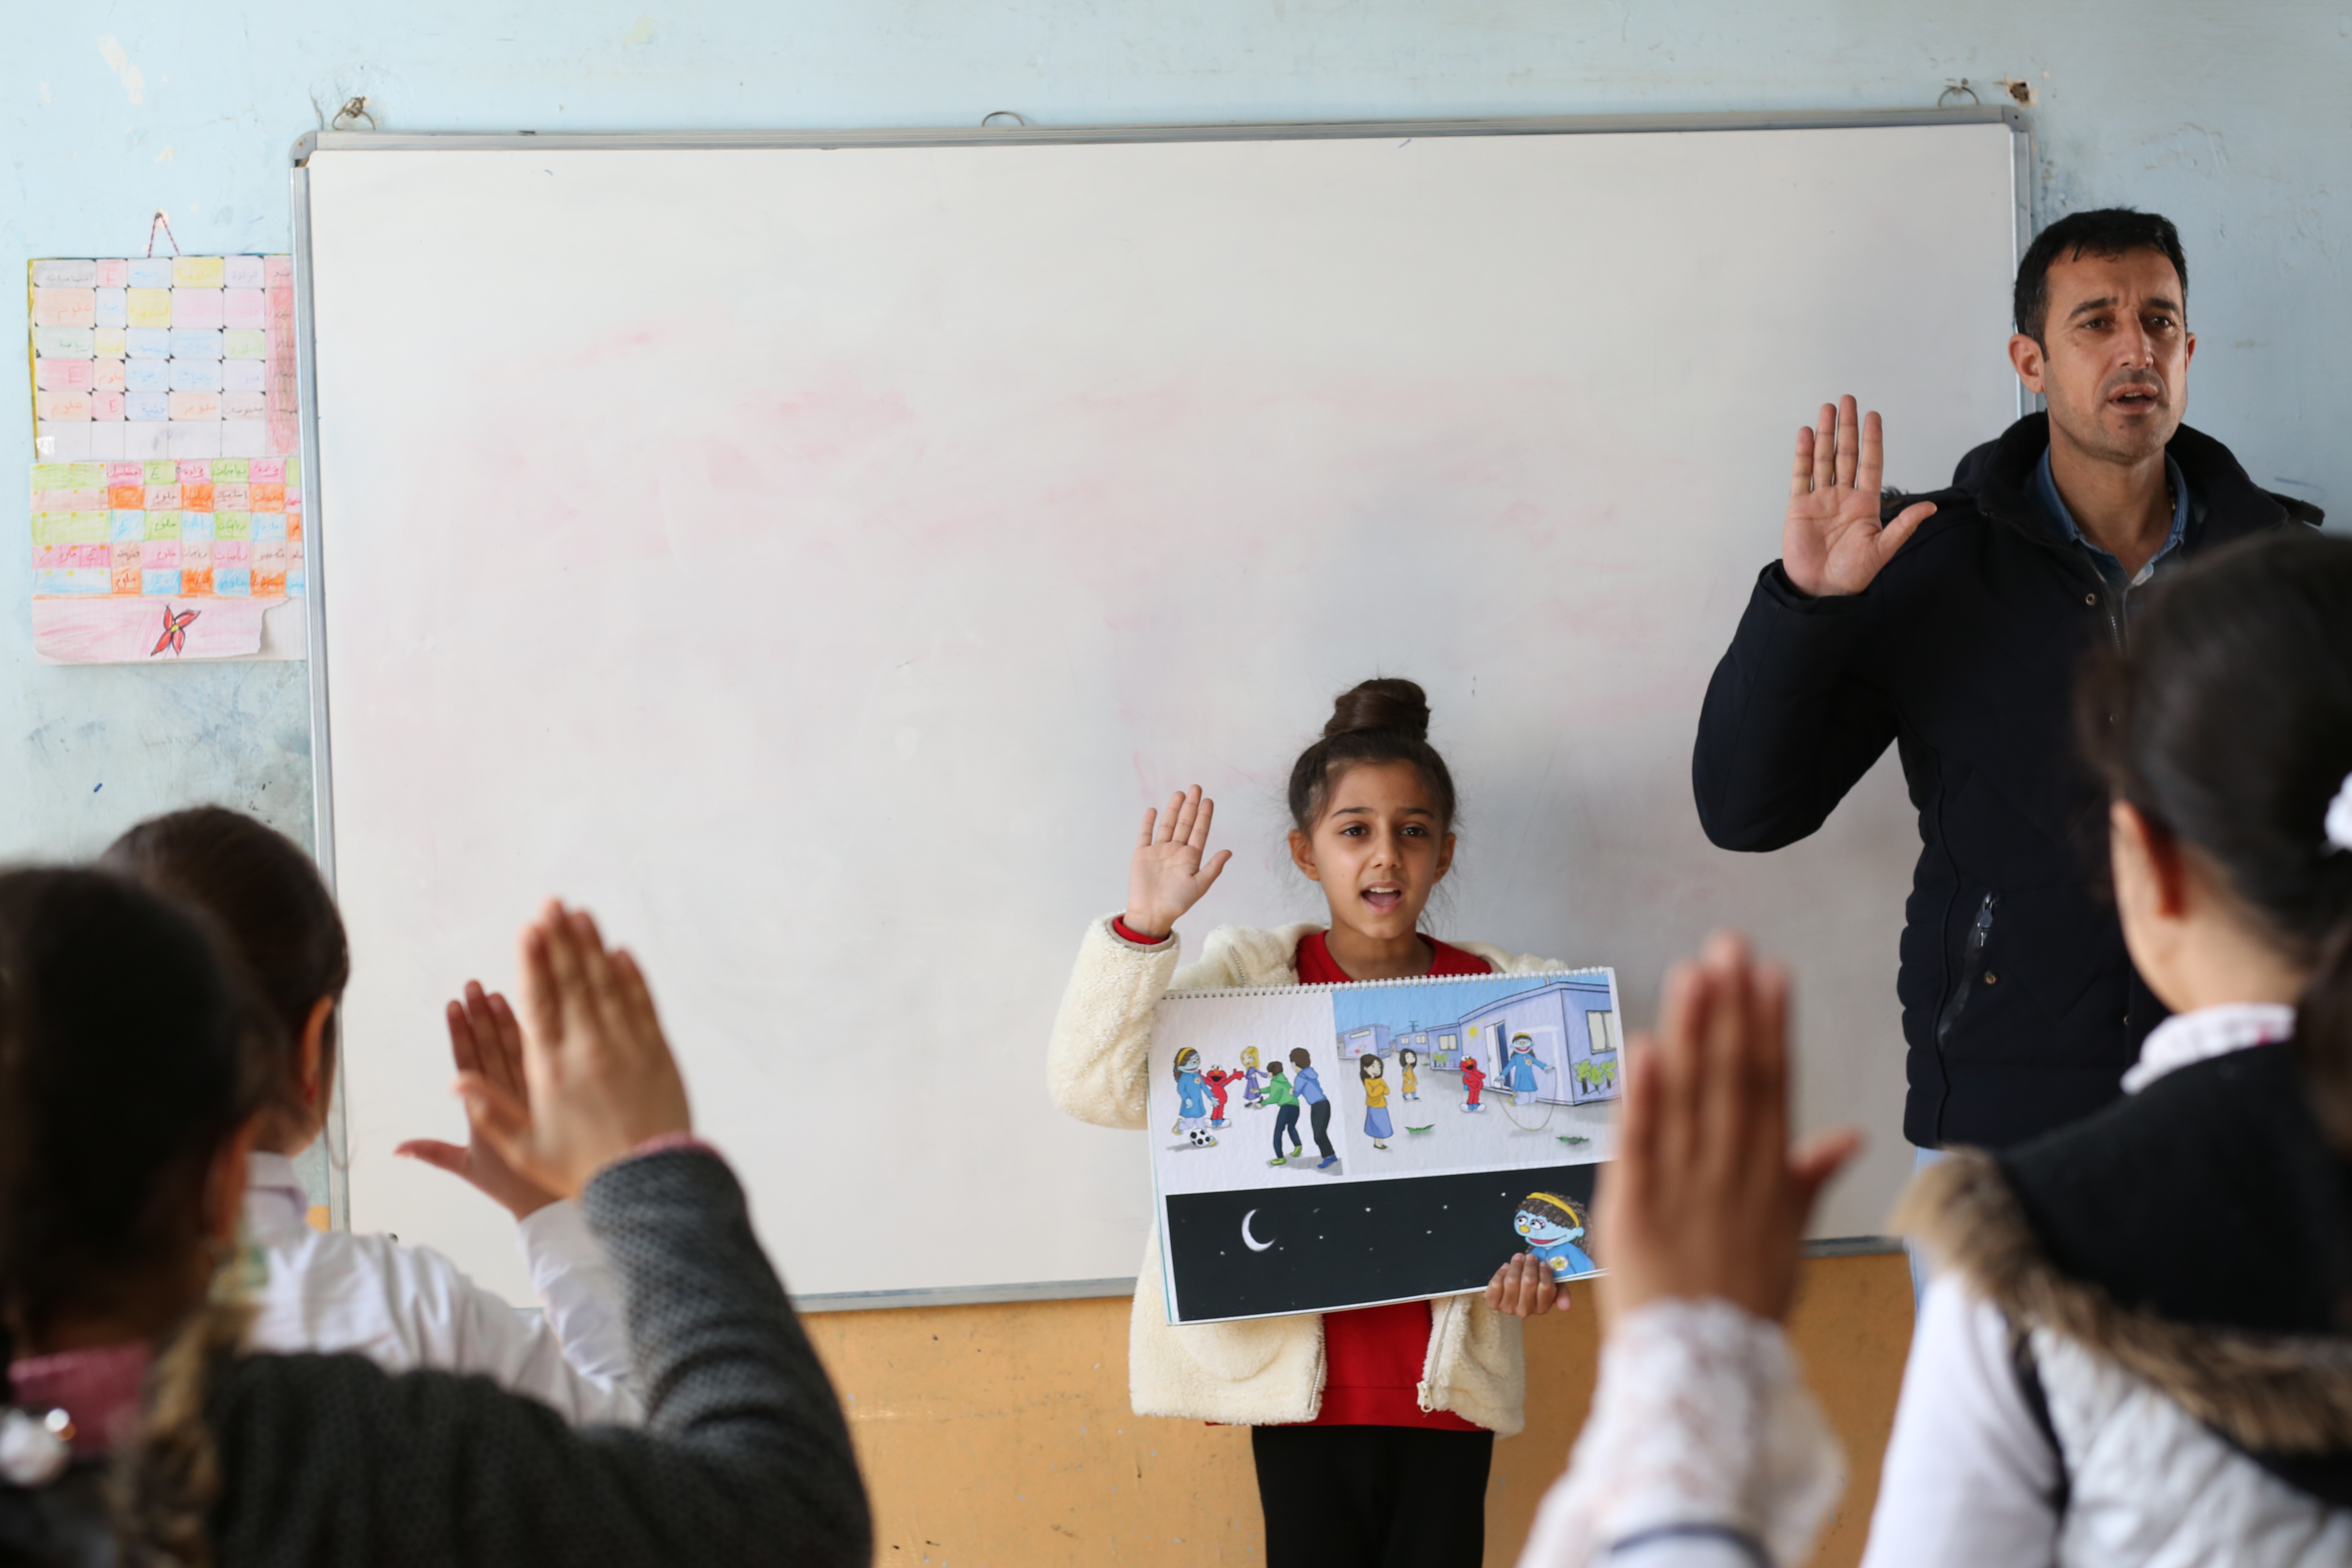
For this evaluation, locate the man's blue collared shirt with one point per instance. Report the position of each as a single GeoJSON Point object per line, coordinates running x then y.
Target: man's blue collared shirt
{"type": "Point", "coordinates": [2045, 491]}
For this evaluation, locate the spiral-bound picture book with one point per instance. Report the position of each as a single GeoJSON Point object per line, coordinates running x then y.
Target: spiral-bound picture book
{"type": "Point", "coordinates": [1320, 1147]}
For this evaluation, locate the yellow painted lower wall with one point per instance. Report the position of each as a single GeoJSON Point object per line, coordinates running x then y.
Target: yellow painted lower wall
{"type": "Point", "coordinates": [998, 1436]}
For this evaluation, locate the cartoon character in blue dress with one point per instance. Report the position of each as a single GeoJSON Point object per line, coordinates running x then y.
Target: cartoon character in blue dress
{"type": "Point", "coordinates": [1192, 1098]}
{"type": "Point", "coordinates": [1520, 1066]}
{"type": "Point", "coordinates": [1254, 1080]}
{"type": "Point", "coordinates": [1552, 1225]}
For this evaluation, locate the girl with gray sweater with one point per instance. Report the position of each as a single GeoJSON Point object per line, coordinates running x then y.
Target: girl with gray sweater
{"type": "Point", "coordinates": [134, 1429]}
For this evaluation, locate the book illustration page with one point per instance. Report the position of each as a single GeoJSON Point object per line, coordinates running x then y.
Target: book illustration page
{"type": "Point", "coordinates": [1315, 1149]}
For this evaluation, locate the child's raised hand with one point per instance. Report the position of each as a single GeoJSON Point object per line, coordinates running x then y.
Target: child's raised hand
{"type": "Point", "coordinates": [1705, 1198]}
{"type": "Point", "coordinates": [485, 1038]}
{"type": "Point", "coordinates": [600, 1077]}
{"type": "Point", "coordinates": [1524, 1288]}
{"type": "Point", "coordinates": [1166, 877]}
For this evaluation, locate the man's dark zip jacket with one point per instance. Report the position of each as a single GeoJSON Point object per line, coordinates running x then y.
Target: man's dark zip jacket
{"type": "Point", "coordinates": [2021, 1008]}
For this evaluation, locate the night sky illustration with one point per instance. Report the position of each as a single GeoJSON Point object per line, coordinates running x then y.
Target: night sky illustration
{"type": "Point", "coordinates": [1350, 1244]}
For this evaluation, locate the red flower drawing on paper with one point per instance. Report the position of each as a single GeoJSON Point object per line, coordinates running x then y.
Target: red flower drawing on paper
{"type": "Point", "coordinates": [176, 632]}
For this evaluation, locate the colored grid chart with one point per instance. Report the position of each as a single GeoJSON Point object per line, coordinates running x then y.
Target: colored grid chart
{"type": "Point", "coordinates": [137, 559]}
{"type": "Point", "coordinates": [164, 357]}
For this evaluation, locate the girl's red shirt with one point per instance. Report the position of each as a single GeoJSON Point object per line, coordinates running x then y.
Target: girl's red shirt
{"type": "Point", "coordinates": [1373, 1357]}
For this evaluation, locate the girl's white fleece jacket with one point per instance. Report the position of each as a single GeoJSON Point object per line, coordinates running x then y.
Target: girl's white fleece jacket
{"type": "Point", "coordinates": [1267, 1370]}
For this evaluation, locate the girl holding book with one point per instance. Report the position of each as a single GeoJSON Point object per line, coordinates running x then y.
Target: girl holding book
{"type": "Point", "coordinates": [1345, 1407]}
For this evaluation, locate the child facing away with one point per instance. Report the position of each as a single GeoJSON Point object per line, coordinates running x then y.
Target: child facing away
{"type": "Point", "coordinates": [1704, 1448]}
{"type": "Point", "coordinates": [401, 1306]}
{"type": "Point", "coordinates": [135, 1427]}
{"type": "Point", "coordinates": [2075, 1392]}
{"type": "Point", "coordinates": [2081, 1388]}
{"type": "Point", "coordinates": [1421, 1387]}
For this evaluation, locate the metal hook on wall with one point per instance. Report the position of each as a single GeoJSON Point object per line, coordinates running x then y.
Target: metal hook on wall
{"type": "Point", "coordinates": [353, 110]}
{"type": "Point", "coordinates": [1947, 97]}
{"type": "Point", "coordinates": [1015, 115]}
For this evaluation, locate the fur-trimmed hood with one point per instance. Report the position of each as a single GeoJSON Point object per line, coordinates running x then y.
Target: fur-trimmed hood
{"type": "Point", "coordinates": [2195, 1235]}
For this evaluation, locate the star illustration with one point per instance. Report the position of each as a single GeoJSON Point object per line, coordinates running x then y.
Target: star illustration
{"type": "Point", "coordinates": [175, 631]}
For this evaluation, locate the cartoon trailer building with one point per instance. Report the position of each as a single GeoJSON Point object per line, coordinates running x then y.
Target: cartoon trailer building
{"type": "Point", "coordinates": [1571, 1022]}
{"type": "Point", "coordinates": [1440, 1046]}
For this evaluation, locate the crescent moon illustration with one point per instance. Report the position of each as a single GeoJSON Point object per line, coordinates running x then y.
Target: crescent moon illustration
{"type": "Point", "coordinates": [1254, 1243]}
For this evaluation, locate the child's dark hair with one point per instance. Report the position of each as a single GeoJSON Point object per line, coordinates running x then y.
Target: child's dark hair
{"type": "Point", "coordinates": [1407, 1057]}
{"type": "Point", "coordinates": [269, 900]}
{"type": "Point", "coordinates": [1384, 721]}
{"type": "Point", "coordinates": [129, 1052]}
{"type": "Point", "coordinates": [1298, 1056]}
{"type": "Point", "coordinates": [1364, 1065]}
{"type": "Point", "coordinates": [2228, 723]}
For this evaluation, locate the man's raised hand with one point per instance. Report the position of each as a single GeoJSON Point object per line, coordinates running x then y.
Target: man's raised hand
{"type": "Point", "coordinates": [1831, 541]}
{"type": "Point", "coordinates": [1167, 877]}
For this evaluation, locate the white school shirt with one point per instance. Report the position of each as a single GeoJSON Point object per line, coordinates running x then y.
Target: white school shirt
{"type": "Point", "coordinates": [1970, 1477]}
{"type": "Point", "coordinates": [409, 1307]}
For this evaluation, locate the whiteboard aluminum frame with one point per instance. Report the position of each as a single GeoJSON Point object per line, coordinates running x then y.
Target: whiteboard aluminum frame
{"type": "Point", "coordinates": [314, 497]}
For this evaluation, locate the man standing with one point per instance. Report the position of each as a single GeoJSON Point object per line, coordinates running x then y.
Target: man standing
{"type": "Point", "coordinates": [1952, 627]}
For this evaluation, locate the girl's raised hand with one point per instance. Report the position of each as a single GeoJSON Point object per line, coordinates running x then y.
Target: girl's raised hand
{"type": "Point", "coordinates": [600, 1077]}
{"type": "Point", "coordinates": [1166, 877]}
{"type": "Point", "coordinates": [484, 1037]}
{"type": "Point", "coordinates": [1705, 1198]}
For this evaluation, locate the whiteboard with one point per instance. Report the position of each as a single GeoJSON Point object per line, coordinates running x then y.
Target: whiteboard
{"type": "Point", "coordinates": [813, 557]}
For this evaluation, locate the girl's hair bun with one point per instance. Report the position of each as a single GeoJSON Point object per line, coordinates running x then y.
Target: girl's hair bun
{"type": "Point", "coordinates": [1387, 703]}
{"type": "Point", "coordinates": [1382, 721]}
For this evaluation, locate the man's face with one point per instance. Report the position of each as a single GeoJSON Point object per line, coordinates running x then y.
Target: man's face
{"type": "Point", "coordinates": [2113, 356]}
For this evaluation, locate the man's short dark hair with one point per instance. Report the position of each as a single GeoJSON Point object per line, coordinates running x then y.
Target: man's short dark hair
{"type": "Point", "coordinates": [2109, 231]}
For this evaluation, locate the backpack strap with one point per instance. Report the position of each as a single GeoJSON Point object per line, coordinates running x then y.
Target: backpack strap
{"type": "Point", "coordinates": [2037, 1405]}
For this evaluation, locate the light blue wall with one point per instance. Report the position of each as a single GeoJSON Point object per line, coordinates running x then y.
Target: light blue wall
{"type": "Point", "coordinates": [2228, 116]}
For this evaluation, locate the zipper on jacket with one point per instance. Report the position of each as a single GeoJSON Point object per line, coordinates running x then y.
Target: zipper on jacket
{"type": "Point", "coordinates": [1944, 955]}
{"type": "Point", "coordinates": [1972, 955]}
